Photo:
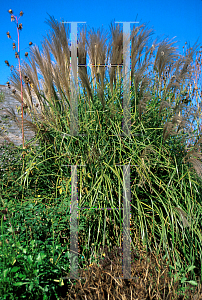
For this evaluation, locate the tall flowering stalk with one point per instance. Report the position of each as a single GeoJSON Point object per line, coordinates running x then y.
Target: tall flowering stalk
{"type": "Point", "coordinates": [17, 55]}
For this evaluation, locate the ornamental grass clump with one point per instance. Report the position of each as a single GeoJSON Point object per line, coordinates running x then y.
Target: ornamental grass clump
{"type": "Point", "coordinates": [165, 173]}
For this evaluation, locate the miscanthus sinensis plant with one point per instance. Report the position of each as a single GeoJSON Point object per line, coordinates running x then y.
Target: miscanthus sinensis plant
{"type": "Point", "coordinates": [165, 177]}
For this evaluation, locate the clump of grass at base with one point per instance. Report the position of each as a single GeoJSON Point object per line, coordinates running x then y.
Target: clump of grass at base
{"type": "Point", "coordinates": [165, 191]}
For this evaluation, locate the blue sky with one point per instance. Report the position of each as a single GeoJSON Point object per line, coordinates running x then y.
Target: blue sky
{"type": "Point", "coordinates": [181, 20]}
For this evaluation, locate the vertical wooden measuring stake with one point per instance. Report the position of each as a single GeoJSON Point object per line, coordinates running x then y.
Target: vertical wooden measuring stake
{"type": "Point", "coordinates": [74, 82]}
{"type": "Point", "coordinates": [126, 80]}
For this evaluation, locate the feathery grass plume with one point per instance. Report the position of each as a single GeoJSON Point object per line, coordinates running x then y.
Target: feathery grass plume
{"type": "Point", "coordinates": [165, 55]}
{"type": "Point", "coordinates": [58, 45]}
{"type": "Point", "coordinates": [82, 70]}
{"type": "Point", "coordinates": [192, 156]}
{"type": "Point", "coordinates": [115, 55]}
{"type": "Point", "coordinates": [139, 49]}
{"type": "Point", "coordinates": [97, 53]}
